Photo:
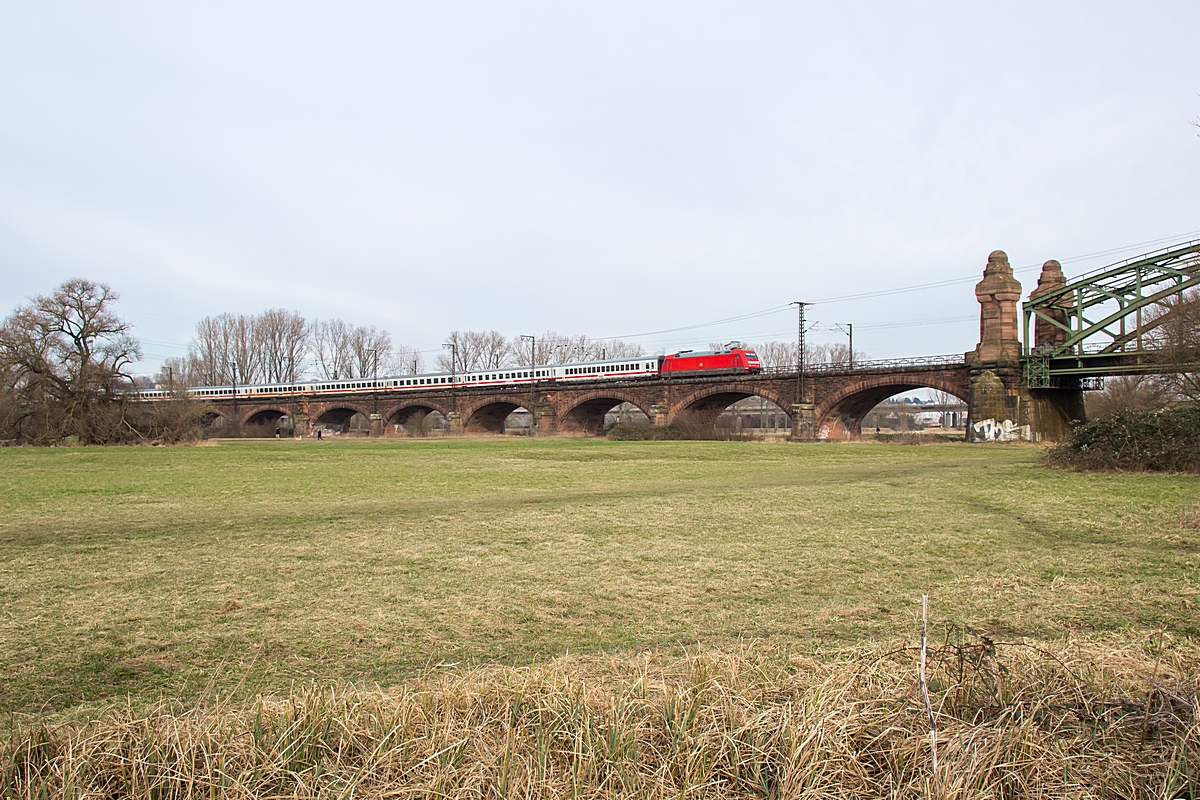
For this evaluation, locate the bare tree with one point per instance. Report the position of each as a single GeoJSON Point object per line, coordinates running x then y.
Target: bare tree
{"type": "Point", "coordinates": [584, 348]}
{"type": "Point", "coordinates": [494, 350]}
{"type": "Point", "coordinates": [406, 360]}
{"type": "Point", "coordinates": [618, 348]}
{"type": "Point", "coordinates": [1176, 334]}
{"type": "Point", "coordinates": [65, 357]}
{"type": "Point", "coordinates": [463, 356]}
{"type": "Point", "coordinates": [776, 355]}
{"type": "Point", "coordinates": [482, 350]}
{"type": "Point", "coordinates": [548, 349]}
{"type": "Point", "coordinates": [174, 374]}
{"type": "Point", "coordinates": [283, 342]}
{"type": "Point", "coordinates": [209, 352]}
{"type": "Point", "coordinates": [245, 354]}
{"type": "Point", "coordinates": [1129, 392]}
{"type": "Point", "coordinates": [331, 349]}
{"type": "Point", "coordinates": [475, 350]}
{"type": "Point", "coordinates": [369, 347]}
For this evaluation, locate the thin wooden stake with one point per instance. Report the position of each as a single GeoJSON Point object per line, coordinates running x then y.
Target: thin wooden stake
{"type": "Point", "coordinates": [925, 685]}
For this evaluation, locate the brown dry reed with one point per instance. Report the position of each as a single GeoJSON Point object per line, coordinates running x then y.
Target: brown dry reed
{"type": "Point", "coordinates": [1084, 719]}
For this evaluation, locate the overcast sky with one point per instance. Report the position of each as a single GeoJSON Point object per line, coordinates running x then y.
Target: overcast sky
{"type": "Point", "coordinates": [612, 169]}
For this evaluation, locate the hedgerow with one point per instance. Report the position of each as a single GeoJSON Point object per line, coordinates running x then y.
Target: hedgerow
{"type": "Point", "coordinates": [1152, 441]}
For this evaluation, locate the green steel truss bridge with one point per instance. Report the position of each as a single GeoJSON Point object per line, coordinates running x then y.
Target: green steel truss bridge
{"type": "Point", "coordinates": [1110, 322]}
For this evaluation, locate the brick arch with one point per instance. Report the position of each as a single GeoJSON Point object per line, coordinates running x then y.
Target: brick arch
{"type": "Point", "coordinates": [710, 401]}
{"type": "Point", "coordinates": [585, 412]}
{"type": "Point", "coordinates": [209, 419]}
{"type": "Point", "coordinates": [402, 412]}
{"type": "Point", "coordinates": [487, 414]}
{"type": "Point", "coordinates": [269, 413]}
{"type": "Point", "coordinates": [841, 414]}
{"type": "Point", "coordinates": [335, 413]}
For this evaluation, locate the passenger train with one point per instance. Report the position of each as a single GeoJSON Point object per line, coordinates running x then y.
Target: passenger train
{"type": "Point", "coordinates": [733, 359]}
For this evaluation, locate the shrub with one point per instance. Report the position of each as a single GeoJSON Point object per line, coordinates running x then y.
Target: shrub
{"type": "Point", "coordinates": [419, 424]}
{"type": "Point", "coordinates": [1159, 441]}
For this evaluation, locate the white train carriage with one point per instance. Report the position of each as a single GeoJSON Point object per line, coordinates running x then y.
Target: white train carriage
{"type": "Point", "coordinates": [616, 369]}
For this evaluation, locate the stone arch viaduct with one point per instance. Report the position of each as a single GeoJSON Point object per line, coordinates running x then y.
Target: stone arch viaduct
{"type": "Point", "coordinates": [840, 399]}
{"type": "Point", "coordinates": [826, 403]}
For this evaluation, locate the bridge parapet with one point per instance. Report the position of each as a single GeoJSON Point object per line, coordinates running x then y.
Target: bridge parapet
{"type": "Point", "coordinates": [868, 367]}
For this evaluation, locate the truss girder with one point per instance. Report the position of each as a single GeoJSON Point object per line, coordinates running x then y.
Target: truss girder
{"type": "Point", "coordinates": [1134, 285]}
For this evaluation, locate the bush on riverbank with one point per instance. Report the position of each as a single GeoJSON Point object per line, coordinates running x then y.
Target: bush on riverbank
{"type": "Point", "coordinates": [1153, 441]}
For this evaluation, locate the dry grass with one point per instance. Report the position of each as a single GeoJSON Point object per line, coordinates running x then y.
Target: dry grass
{"type": "Point", "coordinates": [1191, 518]}
{"type": "Point", "coordinates": [160, 607]}
{"type": "Point", "coordinates": [1084, 719]}
{"type": "Point", "coordinates": [159, 571]}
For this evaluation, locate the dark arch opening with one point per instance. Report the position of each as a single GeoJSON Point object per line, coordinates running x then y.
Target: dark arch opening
{"type": "Point", "coordinates": [343, 421]}
{"type": "Point", "coordinates": [269, 422]}
{"type": "Point", "coordinates": [499, 418]}
{"type": "Point", "coordinates": [870, 408]}
{"type": "Point", "coordinates": [728, 415]}
{"type": "Point", "coordinates": [599, 414]}
{"type": "Point", "coordinates": [415, 420]}
{"type": "Point", "coordinates": [216, 426]}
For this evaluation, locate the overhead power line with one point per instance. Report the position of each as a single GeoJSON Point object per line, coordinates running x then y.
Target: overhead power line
{"type": "Point", "coordinates": [906, 289]}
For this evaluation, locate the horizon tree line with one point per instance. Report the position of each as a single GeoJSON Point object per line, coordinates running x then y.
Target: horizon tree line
{"type": "Point", "coordinates": [280, 346]}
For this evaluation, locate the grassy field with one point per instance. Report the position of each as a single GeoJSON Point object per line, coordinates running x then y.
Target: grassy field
{"type": "Point", "coordinates": [253, 565]}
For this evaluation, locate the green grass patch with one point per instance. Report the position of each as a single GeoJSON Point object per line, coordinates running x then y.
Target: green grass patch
{"type": "Point", "coordinates": [252, 565]}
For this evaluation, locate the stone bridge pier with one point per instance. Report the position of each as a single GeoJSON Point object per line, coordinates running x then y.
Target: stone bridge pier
{"type": "Point", "coordinates": [1000, 405]}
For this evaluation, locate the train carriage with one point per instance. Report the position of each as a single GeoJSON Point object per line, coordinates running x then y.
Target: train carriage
{"type": "Point", "coordinates": [732, 359]}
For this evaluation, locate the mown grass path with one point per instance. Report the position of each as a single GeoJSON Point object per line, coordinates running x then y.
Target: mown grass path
{"type": "Point", "coordinates": [145, 571]}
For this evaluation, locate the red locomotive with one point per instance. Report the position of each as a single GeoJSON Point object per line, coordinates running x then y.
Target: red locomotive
{"type": "Point", "coordinates": [732, 359]}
